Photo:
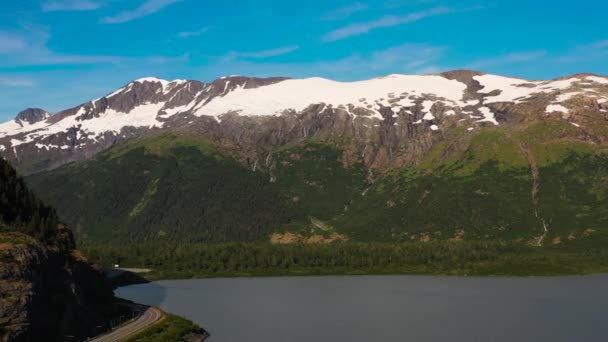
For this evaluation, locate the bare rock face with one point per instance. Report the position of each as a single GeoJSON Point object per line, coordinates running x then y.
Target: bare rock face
{"type": "Point", "coordinates": [49, 295]}
{"type": "Point", "coordinates": [32, 115]}
{"type": "Point", "coordinates": [48, 292]}
{"type": "Point", "coordinates": [384, 122]}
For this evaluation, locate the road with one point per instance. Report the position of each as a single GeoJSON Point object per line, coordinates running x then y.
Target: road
{"type": "Point", "coordinates": [149, 317]}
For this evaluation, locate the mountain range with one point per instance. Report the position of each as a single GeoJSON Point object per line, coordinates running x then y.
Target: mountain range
{"type": "Point", "coordinates": [458, 155]}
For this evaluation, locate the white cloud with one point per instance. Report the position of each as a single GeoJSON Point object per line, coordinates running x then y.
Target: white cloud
{"type": "Point", "coordinates": [264, 53]}
{"type": "Point", "coordinates": [29, 47]}
{"type": "Point", "coordinates": [186, 34]}
{"type": "Point", "coordinates": [587, 52]}
{"type": "Point", "coordinates": [392, 4]}
{"type": "Point", "coordinates": [344, 12]}
{"type": "Point", "coordinates": [515, 57]}
{"type": "Point", "coordinates": [70, 5]}
{"type": "Point", "coordinates": [428, 70]}
{"type": "Point", "coordinates": [146, 8]}
{"type": "Point", "coordinates": [404, 58]}
{"type": "Point", "coordinates": [386, 21]}
{"type": "Point", "coordinates": [10, 42]}
{"type": "Point", "coordinates": [15, 82]}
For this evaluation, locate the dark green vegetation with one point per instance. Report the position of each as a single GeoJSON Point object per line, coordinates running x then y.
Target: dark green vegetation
{"type": "Point", "coordinates": [171, 328]}
{"type": "Point", "coordinates": [507, 184]}
{"type": "Point", "coordinates": [586, 255]}
{"type": "Point", "coordinates": [182, 189]}
{"type": "Point", "coordinates": [47, 290]}
{"type": "Point", "coordinates": [21, 211]}
{"type": "Point", "coordinates": [486, 204]}
{"type": "Point", "coordinates": [166, 188]}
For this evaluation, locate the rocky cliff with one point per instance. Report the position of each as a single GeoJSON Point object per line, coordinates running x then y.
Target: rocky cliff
{"type": "Point", "coordinates": [48, 292]}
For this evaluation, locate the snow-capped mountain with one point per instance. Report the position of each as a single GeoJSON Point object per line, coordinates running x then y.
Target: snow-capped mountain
{"type": "Point", "coordinates": [392, 118]}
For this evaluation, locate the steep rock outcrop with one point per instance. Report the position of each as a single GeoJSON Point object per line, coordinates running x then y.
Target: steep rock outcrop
{"type": "Point", "coordinates": [49, 294]}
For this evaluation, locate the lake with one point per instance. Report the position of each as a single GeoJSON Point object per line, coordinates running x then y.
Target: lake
{"type": "Point", "coordinates": [387, 308]}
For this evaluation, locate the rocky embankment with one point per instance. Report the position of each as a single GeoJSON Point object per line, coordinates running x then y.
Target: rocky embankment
{"type": "Point", "coordinates": [49, 292]}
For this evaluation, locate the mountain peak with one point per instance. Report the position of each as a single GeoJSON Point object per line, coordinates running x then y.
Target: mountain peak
{"type": "Point", "coordinates": [461, 75]}
{"type": "Point", "coordinates": [163, 82]}
{"type": "Point", "coordinates": [32, 115]}
{"type": "Point", "coordinates": [150, 79]}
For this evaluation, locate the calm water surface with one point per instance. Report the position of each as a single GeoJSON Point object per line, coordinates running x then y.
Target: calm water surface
{"type": "Point", "coordinates": [387, 308]}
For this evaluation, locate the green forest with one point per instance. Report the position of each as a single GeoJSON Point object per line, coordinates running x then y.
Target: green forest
{"type": "Point", "coordinates": [21, 211]}
{"type": "Point", "coordinates": [440, 257]}
{"type": "Point", "coordinates": [183, 189]}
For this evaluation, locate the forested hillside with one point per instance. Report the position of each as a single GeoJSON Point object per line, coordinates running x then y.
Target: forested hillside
{"type": "Point", "coordinates": [537, 184]}
{"type": "Point", "coordinates": [47, 289]}
{"type": "Point", "coordinates": [21, 210]}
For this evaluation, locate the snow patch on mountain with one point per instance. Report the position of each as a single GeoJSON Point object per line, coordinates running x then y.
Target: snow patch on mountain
{"type": "Point", "coordinates": [596, 79]}
{"type": "Point", "coordinates": [556, 108]}
{"type": "Point", "coordinates": [426, 109]}
{"type": "Point", "coordinates": [429, 97]}
{"type": "Point", "coordinates": [488, 116]}
{"type": "Point", "coordinates": [511, 89]}
{"type": "Point", "coordinates": [10, 128]}
{"type": "Point", "coordinates": [296, 95]}
{"type": "Point", "coordinates": [152, 80]}
{"type": "Point", "coordinates": [109, 121]}
{"type": "Point", "coordinates": [113, 121]}
{"type": "Point", "coordinates": [519, 90]}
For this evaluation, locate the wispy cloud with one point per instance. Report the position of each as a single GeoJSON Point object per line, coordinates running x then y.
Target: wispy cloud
{"type": "Point", "coordinates": [263, 53]}
{"type": "Point", "coordinates": [587, 52]}
{"type": "Point", "coordinates": [404, 58]}
{"type": "Point", "coordinates": [431, 69]}
{"type": "Point", "coordinates": [401, 3]}
{"type": "Point", "coordinates": [515, 57]}
{"type": "Point", "coordinates": [186, 34]}
{"type": "Point", "coordinates": [146, 8]}
{"type": "Point", "coordinates": [10, 42]}
{"type": "Point", "coordinates": [344, 12]}
{"type": "Point", "coordinates": [29, 47]}
{"type": "Point", "coordinates": [386, 21]}
{"type": "Point", "coordinates": [9, 81]}
{"type": "Point", "coordinates": [70, 5]}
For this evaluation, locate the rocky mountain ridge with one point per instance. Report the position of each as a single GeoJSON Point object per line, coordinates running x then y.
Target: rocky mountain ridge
{"type": "Point", "coordinates": [393, 120]}
{"type": "Point", "coordinates": [398, 158]}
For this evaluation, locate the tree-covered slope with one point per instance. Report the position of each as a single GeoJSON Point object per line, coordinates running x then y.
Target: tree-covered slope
{"type": "Point", "coordinates": [183, 189]}
{"type": "Point", "coordinates": [539, 182]}
{"type": "Point", "coordinates": [498, 184]}
{"type": "Point", "coordinates": [47, 289]}
{"type": "Point", "coordinates": [21, 210]}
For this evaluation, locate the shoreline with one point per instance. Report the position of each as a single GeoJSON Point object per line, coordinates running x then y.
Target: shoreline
{"type": "Point", "coordinates": [146, 280]}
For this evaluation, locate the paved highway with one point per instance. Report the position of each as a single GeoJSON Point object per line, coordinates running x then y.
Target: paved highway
{"type": "Point", "coordinates": [150, 316]}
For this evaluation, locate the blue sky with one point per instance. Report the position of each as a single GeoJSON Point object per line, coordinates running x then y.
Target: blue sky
{"type": "Point", "coordinates": [55, 54]}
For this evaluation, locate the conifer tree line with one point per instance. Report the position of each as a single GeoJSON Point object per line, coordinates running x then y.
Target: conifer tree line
{"type": "Point", "coordinates": [21, 210]}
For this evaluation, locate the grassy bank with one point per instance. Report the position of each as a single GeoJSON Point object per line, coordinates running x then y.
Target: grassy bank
{"type": "Point", "coordinates": [171, 328]}
{"type": "Point", "coordinates": [440, 257]}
